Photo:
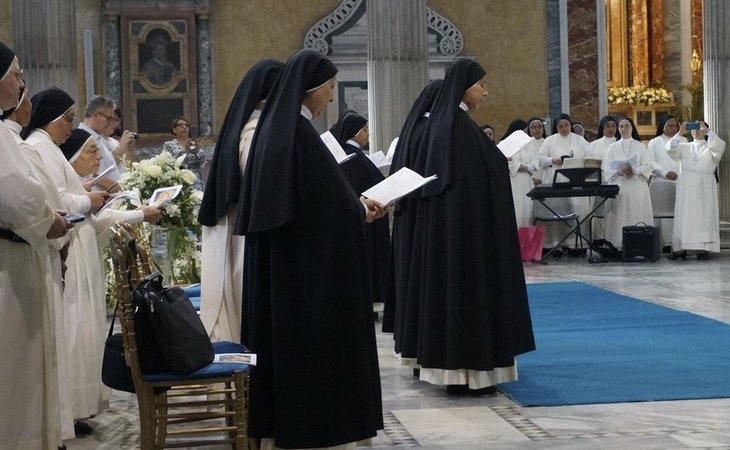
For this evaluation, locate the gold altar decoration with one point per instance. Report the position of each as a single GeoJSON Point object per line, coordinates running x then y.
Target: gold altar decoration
{"type": "Point", "coordinates": [643, 104]}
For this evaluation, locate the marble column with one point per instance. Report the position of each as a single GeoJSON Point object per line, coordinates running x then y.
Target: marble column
{"type": "Point", "coordinates": [205, 96]}
{"type": "Point", "coordinates": [397, 65]}
{"type": "Point", "coordinates": [583, 63]}
{"type": "Point", "coordinates": [47, 52]}
{"type": "Point", "coordinates": [113, 60]}
{"type": "Point", "coordinates": [716, 78]}
{"type": "Point", "coordinates": [554, 75]}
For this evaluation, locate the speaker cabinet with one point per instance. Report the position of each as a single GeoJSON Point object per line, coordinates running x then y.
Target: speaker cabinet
{"type": "Point", "coordinates": [641, 243]}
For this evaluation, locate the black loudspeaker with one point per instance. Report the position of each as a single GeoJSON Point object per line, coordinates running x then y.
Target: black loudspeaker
{"type": "Point", "coordinates": [641, 243]}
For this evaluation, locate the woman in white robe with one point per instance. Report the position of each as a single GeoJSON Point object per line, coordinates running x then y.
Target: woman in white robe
{"type": "Point", "coordinates": [665, 169]}
{"type": "Point", "coordinates": [85, 288]}
{"type": "Point", "coordinates": [563, 143]}
{"type": "Point", "coordinates": [628, 165]}
{"type": "Point", "coordinates": [15, 122]}
{"type": "Point", "coordinates": [696, 211]}
{"type": "Point", "coordinates": [84, 306]}
{"type": "Point", "coordinates": [29, 397]}
{"type": "Point", "coordinates": [222, 251]}
{"type": "Point", "coordinates": [607, 135]}
{"type": "Point", "coordinates": [523, 173]}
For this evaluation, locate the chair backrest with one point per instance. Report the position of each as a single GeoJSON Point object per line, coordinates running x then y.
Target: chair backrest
{"type": "Point", "coordinates": [560, 205]}
{"type": "Point", "coordinates": [662, 194]}
{"type": "Point", "coordinates": [130, 256]}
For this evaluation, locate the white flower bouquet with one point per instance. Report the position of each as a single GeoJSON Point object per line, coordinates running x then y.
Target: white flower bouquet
{"type": "Point", "coordinates": [638, 95]}
{"type": "Point", "coordinates": [180, 215]}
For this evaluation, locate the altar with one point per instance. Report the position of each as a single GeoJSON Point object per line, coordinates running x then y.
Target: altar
{"type": "Point", "coordinates": [644, 116]}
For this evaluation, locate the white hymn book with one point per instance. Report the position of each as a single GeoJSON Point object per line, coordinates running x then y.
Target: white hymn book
{"type": "Point", "coordinates": [379, 159]}
{"type": "Point", "coordinates": [397, 186]}
{"type": "Point", "coordinates": [335, 148]}
{"type": "Point", "coordinates": [618, 164]}
{"type": "Point", "coordinates": [513, 143]}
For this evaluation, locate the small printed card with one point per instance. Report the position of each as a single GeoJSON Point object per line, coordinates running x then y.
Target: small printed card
{"type": "Point", "coordinates": [240, 358]}
{"type": "Point", "coordinates": [163, 196]}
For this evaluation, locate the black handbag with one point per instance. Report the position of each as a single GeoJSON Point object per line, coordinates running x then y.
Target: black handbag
{"type": "Point", "coordinates": [179, 334]}
{"type": "Point", "coordinates": [114, 370]}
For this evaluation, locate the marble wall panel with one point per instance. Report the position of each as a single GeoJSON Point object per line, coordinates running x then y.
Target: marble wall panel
{"type": "Point", "coordinates": [553, 57]}
{"type": "Point", "coordinates": [672, 52]}
{"type": "Point", "coordinates": [656, 41]}
{"type": "Point", "coordinates": [6, 23]}
{"type": "Point", "coordinates": [244, 32]}
{"type": "Point", "coordinates": [508, 39]}
{"type": "Point", "coordinates": [583, 63]}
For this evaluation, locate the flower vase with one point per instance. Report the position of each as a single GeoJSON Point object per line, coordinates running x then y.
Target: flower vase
{"type": "Point", "coordinates": [174, 253]}
{"type": "Point", "coordinates": [159, 238]}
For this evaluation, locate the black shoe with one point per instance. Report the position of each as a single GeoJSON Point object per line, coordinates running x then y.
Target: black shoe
{"type": "Point", "coordinates": [463, 389]}
{"type": "Point", "coordinates": [667, 249]}
{"type": "Point", "coordinates": [62, 447]}
{"type": "Point", "coordinates": [677, 255]}
{"type": "Point", "coordinates": [457, 389]}
{"type": "Point", "coordinates": [82, 428]}
{"type": "Point", "coordinates": [703, 255]}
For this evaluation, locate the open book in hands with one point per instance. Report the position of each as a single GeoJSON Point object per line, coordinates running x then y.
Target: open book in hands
{"type": "Point", "coordinates": [513, 143]}
{"type": "Point", "coordinates": [381, 162]}
{"type": "Point", "coordinates": [118, 196]}
{"type": "Point", "coordinates": [621, 165]}
{"type": "Point", "coordinates": [335, 148]}
{"type": "Point", "coordinates": [397, 186]}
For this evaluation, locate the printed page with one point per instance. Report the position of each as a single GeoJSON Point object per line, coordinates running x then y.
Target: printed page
{"type": "Point", "coordinates": [163, 196]}
{"type": "Point", "coordinates": [240, 358]}
{"type": "Point", "coordinates": [114, 198]}
{"type": "Point", "coordinates": [513, 143]}
{"type": "Point", "coordinates": [396, 186]}
{"type": "Point", "coordinates": [103, 174]}
{"type": "Point", "coordinates": [335, 148]}
{"type": "Point", "coordinates": [379, 159]}
{"type": "Point", "coordinates": [622, 164]}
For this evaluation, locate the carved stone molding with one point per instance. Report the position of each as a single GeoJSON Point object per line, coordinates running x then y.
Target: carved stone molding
{"type": "Point", "coordinates": [450, 39]}
{"type": "Point", "coordinates": [319, 37]}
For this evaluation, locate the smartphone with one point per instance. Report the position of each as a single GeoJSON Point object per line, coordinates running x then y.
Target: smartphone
{"type": "Point", "coordinates": [693, 126]}
{"type": "Point", "coordinates": [135, 136]}
{"type": "Point", "coordinates": [74, 218]}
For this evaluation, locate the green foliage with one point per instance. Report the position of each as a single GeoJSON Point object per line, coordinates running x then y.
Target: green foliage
{"type": "Point", "coordinates": [695, 109]}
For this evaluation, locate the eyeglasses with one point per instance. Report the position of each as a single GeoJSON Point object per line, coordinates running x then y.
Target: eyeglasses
{"type": "Point", "coordinates": [108, 118]}
{"type": "Point", "coordinates": [69, 118]}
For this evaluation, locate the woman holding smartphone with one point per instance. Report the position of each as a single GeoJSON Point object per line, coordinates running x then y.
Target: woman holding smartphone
{"type": "Point", "coordinates": [696, 210]}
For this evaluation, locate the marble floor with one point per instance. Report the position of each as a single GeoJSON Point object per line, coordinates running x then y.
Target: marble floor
{"type": "Point", "coordinates": [421, 415]}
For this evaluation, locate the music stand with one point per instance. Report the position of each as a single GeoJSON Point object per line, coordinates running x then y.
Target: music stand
{"type": "Point", "coordinates": [577, 177]}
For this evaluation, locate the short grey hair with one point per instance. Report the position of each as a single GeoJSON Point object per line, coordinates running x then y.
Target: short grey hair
{"type": "Point", "coordinates": [97, 103]}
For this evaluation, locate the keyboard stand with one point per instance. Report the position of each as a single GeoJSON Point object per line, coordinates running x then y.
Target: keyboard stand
{"type": "Point", "coordinates": [574, 230]}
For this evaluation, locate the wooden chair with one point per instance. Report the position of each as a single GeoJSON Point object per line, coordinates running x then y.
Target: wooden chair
{"type": "Point", "coordinates": [214, 398]}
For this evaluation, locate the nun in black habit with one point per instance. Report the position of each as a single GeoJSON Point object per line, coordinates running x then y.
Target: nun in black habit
{"type": "Point", "coordinates": [403, 298]}
{"type": "Point", "coordinates": [351, 131]}
{"type": "Point", "coordinates": [306, 309]}
{"type": "Point", "coordinates": [474, 317]}
{"type": "Point", "coordinates": [222, 252]}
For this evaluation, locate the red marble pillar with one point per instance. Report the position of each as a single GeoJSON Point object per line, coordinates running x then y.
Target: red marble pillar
{"type": "Point", "coordinates": [583, 63]}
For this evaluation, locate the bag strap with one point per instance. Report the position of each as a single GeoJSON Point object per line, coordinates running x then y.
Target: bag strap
{"type": "Point", "coordinates": [114, 318]}
{"type": "Point", "coordinates": [642, 223]}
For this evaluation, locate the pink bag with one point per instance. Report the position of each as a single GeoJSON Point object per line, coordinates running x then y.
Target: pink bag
{"type": "Point", "coordinates": [531, 240]}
